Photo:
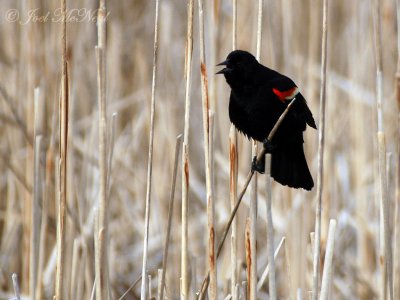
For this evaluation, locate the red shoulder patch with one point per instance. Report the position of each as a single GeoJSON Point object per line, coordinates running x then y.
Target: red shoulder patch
{"type": "Point", "coordinates": [286, 95]}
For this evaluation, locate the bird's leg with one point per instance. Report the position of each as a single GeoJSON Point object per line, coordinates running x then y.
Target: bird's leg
{"type": "Point", "coordinates": [268, 146]}
{"type": "Point", "coordinates": [258, 167]}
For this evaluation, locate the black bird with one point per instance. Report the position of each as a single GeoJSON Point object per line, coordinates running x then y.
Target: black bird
{"type": "Point", "coordinates": [259, 95]}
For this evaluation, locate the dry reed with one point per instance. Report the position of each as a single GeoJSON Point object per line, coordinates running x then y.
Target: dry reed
{"type": "Point", "coordinates": [321, 145]}
{"type": "Point", "coordinates": [150, 156]}
{"type": "Point", "coordinates": [63, 148]}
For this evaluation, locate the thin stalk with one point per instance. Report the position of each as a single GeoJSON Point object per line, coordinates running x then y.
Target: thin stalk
{"type": "Point", "coordinates": [62, 187]}
{"type": "Point", "coordinates": [233, 174]}
{"type": "Point", "coordinates": [207, 141]}
{"type": "Point", "coordinates": [252, 280]}
{"type": "Point", "coordinates": [35, 219]}
{"type": "Point", "coordinates": [396, 225]}
{"type": "Point", "coordinates": [386, 243]}
{"type": "Point", "coordinates": [130, 288]}
{"type": "Point", "coordinates": [16, 286]}
{"type": "Point", "coordinates": [184, 243]}
{"type": "Point", "coordinates": [150, 155]}
{"type": "Point", "coordinates": [170, 212]}
{"type": "Point", "coordinates": [248, 253]}
{"type": "Point", "coordinates": [185, 156]}
{"type": "Point", "coordinates": [111, 150]}
{"type": "Point", "coordinates": [386, 256]}
{"type": "Point", "coordinates": [149, 287]}
{"type": "Point", "coordinates": [160, 287]}
{"type": "Point", "coordinates": [321, 144]}
{"type": "Point", "coordinates": [270, 230]}
{"type": "Point", "coordinates": [39, 188]}
{"type": "Point", "coordinates": [205, 283]}
{"type": "Point", "coordinates": [75, 269]}
{"type": "Point", "coordinates": [327, 274]}
{"type": "Point", "coordinates": [398, 55]}
{"type": "Point", "coordinates": [101, 252]}
{"type": "Point", "coordinates": [234, 30]}
{"type": "Point", "coordinates": [102, 255]}
{"type": "Point", "coordinates": [37, 195]}
{"type": "Point", "coordinates": [233, 178]}
{"type": "Point", "coordinates": [259, 28]}
{"type": "Point", "coordinates": [266, 270]}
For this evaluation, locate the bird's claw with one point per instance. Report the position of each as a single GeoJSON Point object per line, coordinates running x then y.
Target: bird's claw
{"type": "Point", "coordinates": [257, 166]}
{"type": "Point", "coordinates": [268, 146]}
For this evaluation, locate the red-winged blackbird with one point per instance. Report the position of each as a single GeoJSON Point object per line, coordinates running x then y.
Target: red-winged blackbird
{"type": "Point", "coordinates": [259, 95]}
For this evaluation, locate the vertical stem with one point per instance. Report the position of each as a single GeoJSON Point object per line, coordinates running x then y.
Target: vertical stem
{"type": "Point", "coordinates": [266, 271]}
{"type": "Point", "coordinates": [396, 227]}
{"type": "Point", "coordinates": [150, 155]}
{"type": "Point", "coordinates": [233, 178]}
{"type": "Point", "coordinates": [170, 212]}
{"type": "Point", "coordinates": [185, 156]}
{"type": "Point", "coordinates": [233, 173]}
{"type": "Point", "coordinates": [386, 256]}
{"type": "Point", "coordinates": [207, 141]}
{"type": "Point", "coordinates": [321, 144]}
{"type": "Point", "coordinates": [259, 29]}
{"type": "Point", "coordinates": [184, 246]}
{"type": "Point", "coordinates": [327, 274]}
{"type": "Point", "coordinates": [378, 58]}
{"type": "Point", "coordinates": [101, 252]}
{"type": "Point", "coordinates": [35, 219]}
{"type": "Point", "coordinates": [160, 287]}
{"type": "Point", "coordinates": [62, 187]}
{"type": "Point", "coordinates": [37, 196]}
{"type": "Point", "coordinates": [270, 230]}
{"type": "Point", "coordinates": [42, 235]}
{"type": "Point", "coordinates": [252, 281]}
{"type": "Point", "coordinates": [234, 24]}
{"type": "Point", "coordinates": [386, 243]}
{"type": "Point", "coordinates": [16, 286]}
{"type": "Point", "coordinates": [249, 262]}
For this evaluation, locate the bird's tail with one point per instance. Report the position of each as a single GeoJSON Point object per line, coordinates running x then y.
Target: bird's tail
{"type": "Point", "coordinates": [289, 167]}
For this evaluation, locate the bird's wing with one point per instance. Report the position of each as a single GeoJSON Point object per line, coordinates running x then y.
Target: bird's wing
{"type": "Point", "coordinates": [285, 90]}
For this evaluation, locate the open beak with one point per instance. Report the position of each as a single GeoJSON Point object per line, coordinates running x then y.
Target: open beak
{"type": "Point", "coordinates": [224, 70]}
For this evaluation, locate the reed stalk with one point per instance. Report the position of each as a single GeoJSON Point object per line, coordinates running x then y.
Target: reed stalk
{"type": "Point", "coordinates": [101, 252]}
{"type": "Point", "coordinates": [16, 286]}
{"type": "Point", "coordinates": [185, 156]}
{"type": "Point", "coordinates": [170, 213]}
{"type": "Point", "coordinates": [207, 145]}
{"type": "Point", "coordinates": [270, 230]}
{"type": "Point", "coordinates": [233, 174]}
{"type": "Point", "coordinates": [150, 155]}
{"type": "Point", "coordinates": [265, 273]}
{"type": "Point", "coordinates": [327, 273]}
{"type": "Point", "coordinates": [385, 258]}
{"type": "Point", "coordinates": [252, 279]}
{"type": "Point", "coordinates": [62, 181]}
{"type": "Point", "coordinates": [321, 146]}
{"type": "Point", "coordinates": [233, 178]}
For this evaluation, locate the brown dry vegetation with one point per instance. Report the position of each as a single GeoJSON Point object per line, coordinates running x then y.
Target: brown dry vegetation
{"type": "Point", "coordinates": [30, 58]}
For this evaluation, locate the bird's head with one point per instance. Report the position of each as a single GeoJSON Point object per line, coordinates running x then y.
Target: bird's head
{"type": "Point", "coordinates": [239, 67]}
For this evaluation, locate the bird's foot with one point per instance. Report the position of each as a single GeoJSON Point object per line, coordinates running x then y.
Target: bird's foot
{"type": "Point", "coordinates": [268, 146]}
{"type": "Point", "coordinates": [258, 166]}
